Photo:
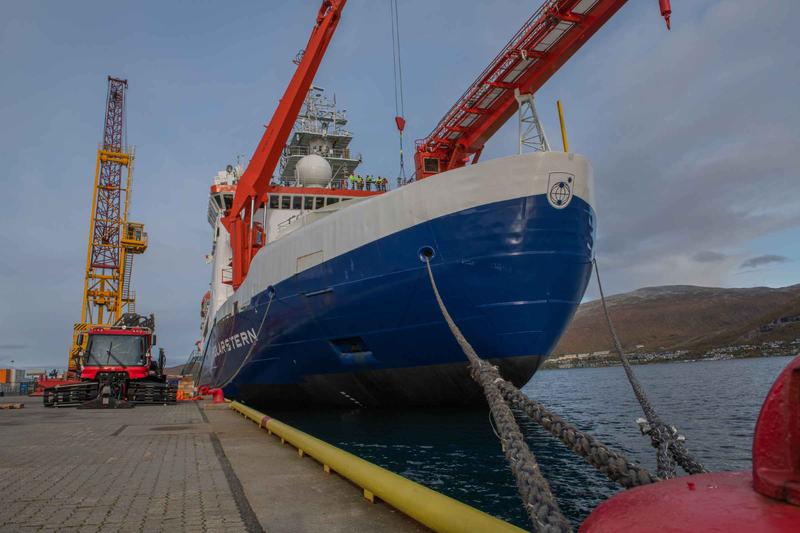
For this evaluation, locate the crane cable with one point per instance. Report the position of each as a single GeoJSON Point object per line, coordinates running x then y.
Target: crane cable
{"type": "Point", "coordinates": [397, 73]}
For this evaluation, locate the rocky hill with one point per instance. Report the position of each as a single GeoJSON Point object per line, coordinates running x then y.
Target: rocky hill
{"type": "Point", "coordinates": [684, 317]}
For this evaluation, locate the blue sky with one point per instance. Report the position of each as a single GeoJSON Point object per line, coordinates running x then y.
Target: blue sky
{"type": "Point", "coordinates": [693, 134]}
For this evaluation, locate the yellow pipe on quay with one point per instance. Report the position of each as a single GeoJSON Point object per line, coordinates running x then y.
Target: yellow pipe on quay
{"type": "Point", "coordinates": [426, 506]}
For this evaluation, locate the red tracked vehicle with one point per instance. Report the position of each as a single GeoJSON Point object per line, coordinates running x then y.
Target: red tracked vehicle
{"type": "Point", "coordinates": [117, 369]}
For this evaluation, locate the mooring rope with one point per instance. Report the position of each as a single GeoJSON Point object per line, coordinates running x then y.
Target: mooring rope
{"type": "Point", "coordinates": [533, 488]}
{"type": "Point", "coordinates": [252, 346]}
{"type": "Point", "coordinates": [610, 462]}
{"type": "Point", "coordinates": [665, 438]}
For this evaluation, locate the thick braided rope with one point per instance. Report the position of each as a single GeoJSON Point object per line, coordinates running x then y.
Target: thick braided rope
{"type": "Point", "coordinates": [533, 487]}
{"type": "Point", "coordinates": [663, 437]}
{"type": "Point", "coordinates": [610, 462]}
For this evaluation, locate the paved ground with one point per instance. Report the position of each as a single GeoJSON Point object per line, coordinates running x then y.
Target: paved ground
{"type": "Point", "coordinates": [169, 468]}
{"type": "Point", "coordinates": [290, 493]}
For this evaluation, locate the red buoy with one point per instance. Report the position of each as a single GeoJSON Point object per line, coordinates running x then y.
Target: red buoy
{"type": "Point", "coordinates": [764, 500]}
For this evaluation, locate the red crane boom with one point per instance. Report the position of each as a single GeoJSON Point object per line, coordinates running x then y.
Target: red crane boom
{"type": "Point", "coordinates": [544, 43]}
{"type": "Point", "coordinates": [247, 237]}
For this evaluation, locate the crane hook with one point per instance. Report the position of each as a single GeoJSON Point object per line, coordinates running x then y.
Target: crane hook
{"type": "Point", "coordinates": [666, 11]}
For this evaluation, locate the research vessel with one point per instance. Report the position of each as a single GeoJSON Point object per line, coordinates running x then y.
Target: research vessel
{"type": "Point", "coordinates": [320, 291]}
{"type": "Point", "coordinates": [337, 307]}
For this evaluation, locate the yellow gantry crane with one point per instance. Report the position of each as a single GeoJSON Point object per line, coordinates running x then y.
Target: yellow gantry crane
{"type": "Point", "coordinates": [113, 241]}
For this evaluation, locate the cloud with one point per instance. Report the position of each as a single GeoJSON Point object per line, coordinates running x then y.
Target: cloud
{"type": "Point", "coordinates": [676, 175]}
{"type": "Point", "coordinates": [761, 260]}
{"type": "Point", "coordinates": [693, 151]}
{"type": "Point", "coordinates": [707, 256]}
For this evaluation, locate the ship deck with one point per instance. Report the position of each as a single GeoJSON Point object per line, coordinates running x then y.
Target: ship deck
{"type": "Point", "coordinates": [194, 466]}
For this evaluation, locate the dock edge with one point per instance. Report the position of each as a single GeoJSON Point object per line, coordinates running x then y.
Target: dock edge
{"type": "Point", "coordinates": [430, 508]}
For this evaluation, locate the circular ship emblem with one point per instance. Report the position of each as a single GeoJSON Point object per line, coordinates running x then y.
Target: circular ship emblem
{"type": "Point", "coordinates": [560, 193]}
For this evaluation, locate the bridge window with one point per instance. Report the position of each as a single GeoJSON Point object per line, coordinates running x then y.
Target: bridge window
{"type": "Point", "coordinates": [431, 165]}
{"type": "Point", "coordinates": [332, 200]}
{"type": "Point", "coordinates": [286, 202]}
{"type": "Point", "coordinates": [308, 203]}
{"type": "Point", "coordinates": [319, 202]}
{"type": "Point", "coordinates": [273, 201]}
{"type": "Point", "coordinates": [297, 202]}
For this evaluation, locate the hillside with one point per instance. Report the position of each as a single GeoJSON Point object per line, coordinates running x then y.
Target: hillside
{"type": "Point", "coordinates": [684, 317]}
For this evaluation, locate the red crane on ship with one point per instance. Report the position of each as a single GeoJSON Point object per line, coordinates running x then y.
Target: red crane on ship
{"type": "Point", "coordinates": [544, 43]}
{"type": "Point", "coordinates": [247, 237]}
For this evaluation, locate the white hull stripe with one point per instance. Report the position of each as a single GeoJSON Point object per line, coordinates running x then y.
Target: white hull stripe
{"type": "Point", "coordinates": [443, 194]}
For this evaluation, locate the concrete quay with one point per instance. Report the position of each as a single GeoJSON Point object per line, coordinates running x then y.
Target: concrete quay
{"type": "Point", "coordinates": [194, 467]}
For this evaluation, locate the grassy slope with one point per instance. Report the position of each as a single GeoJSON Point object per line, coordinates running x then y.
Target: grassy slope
{"type": "Point", "coordinates": [683, 317]}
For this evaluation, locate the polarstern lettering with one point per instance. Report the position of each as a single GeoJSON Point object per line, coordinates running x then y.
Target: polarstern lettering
{"type": "Point", "coordinates": [237, 340]}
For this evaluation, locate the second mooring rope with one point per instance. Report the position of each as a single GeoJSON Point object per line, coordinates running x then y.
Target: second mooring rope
{"type": "Point", "coordinates": [665, 438]}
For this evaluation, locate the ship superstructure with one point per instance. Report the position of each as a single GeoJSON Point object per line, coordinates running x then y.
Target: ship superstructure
{"type": "Point", "coordinates": [313, 183]}
{"type": "Point", "coordinates": [320, 129]}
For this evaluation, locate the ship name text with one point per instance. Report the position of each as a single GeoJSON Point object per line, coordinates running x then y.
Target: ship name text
{"type": "Point", "coordinates": [238, 340]}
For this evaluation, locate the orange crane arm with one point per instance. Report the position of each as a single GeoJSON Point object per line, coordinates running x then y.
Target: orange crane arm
{"type": "Point", "coordinates": [256, 178]}
{"type": "Point", "coordinates": [547, 40]}
{"type": "Point", "coordinates": [544, 43]}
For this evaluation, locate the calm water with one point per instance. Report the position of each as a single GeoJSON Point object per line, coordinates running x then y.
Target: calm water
{"type": "Point", "coordinates": [714, 403]}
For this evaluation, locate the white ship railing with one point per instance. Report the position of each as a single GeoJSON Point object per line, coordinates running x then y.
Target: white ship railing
{"type": "Point", "coordinates": [335, 153]}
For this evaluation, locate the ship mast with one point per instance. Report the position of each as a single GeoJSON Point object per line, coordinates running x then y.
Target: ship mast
{"type": "Point", "coordinates": [252, 186]}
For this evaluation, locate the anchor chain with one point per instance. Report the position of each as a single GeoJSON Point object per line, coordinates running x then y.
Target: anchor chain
{"type": "Point", "coordinates": [534, 489]}
{"type": "Point", "coordinates": [664, 438]}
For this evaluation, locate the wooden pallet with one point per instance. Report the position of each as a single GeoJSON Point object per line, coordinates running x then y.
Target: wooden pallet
{"type": "Point", "coordinates": [12, 405]}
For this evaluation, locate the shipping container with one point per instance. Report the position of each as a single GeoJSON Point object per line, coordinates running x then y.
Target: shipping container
{"type": "Point", "coordinates": [5, 375]}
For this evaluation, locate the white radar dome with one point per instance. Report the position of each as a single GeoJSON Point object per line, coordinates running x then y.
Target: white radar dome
{"type": "Point", "coordinates": [313, 171]}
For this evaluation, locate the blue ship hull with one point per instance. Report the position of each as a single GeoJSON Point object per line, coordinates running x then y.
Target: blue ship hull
{"type": "Point", "coordinates": [364, 329]}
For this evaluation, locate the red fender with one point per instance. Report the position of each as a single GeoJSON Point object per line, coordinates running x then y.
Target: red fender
{"type": "Point", "coordinates": [219, 396]}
